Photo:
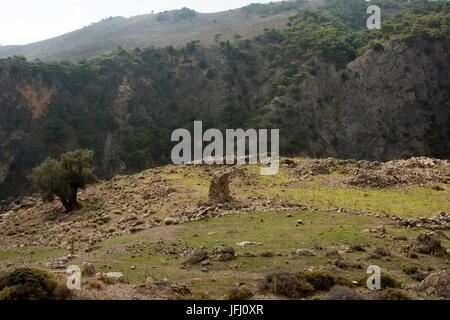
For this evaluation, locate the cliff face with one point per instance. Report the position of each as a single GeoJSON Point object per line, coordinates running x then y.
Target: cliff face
{"type": "Point", "coordinates": [387, 104]}
{"type": "Point", "coordinates": [383, 105]}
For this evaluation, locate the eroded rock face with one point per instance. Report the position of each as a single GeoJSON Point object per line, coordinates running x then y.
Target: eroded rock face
{"type": "Point", "coordinates": [219, 188]}
{"type": "Point", "coordinates": [436, 284]}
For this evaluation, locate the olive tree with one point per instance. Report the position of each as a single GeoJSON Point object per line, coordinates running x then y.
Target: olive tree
{"type": "Point", "coordinates": [63, 178]}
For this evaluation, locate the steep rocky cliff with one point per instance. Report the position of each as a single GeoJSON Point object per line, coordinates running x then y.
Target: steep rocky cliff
{"type": "Point", "coordinates": [389, 102]}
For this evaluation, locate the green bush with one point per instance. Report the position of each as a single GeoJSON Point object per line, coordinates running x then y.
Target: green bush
{"type": "Point", "coordinates": [31, 284]}
{"type": "Point", "coordinates": [184, 14]}
{"type": "Point", "coordinates": [324, 280]}
{"type": "Point", "coordinates": [410, 270]}
{"type": "Point", "coordinates": [57, 131]}
{"type": "Point", "coordinates": [272, 7]}
{"type": "Point", "coordinates": [393, 294]}
{"type": "Point", "coordinates": [162, 16]}
{"type": "Point", "coordinates": [291, 285]}
{"type": "Point", "coordinates": [65, 177]}
{"type": "Point", "coordinates": [320, 280]}
{"type": "Point", "coordinates": [240, 293]}
{"type": "Point", "coordinates": [387, 281]}
{"type": "Point", "coordinates": [211, 73]}
{"type": "Point", "coordinates": [343, 293]}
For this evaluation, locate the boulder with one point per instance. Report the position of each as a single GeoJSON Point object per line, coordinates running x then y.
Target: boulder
{"type": "Point", "coordinates": [332, 253]}
{"type": "Point", "coordinates": [436, 284]}
{"type": "Point", "coordinates": [115, 276]}
{"type": "Point", "coordinates": [196, 256]}
{"type": "Point", "coordinates": [305, 252]}
{"type": "Point", "coordinates": [248, 243]}
{"type": "Point", "coordinates": [149, 282]}
{"type": "Point", "coordinates": [180, 288]}
{"type": "Point", "coordinates": [427, 243]}
{"type": "Point", "coordinates": [267, 254]}
{"type": "Point", "coordinates": [170, 220]}
{"type": "Point", "coordinates": [88, 269]}
{"type": "Point", "coordinates": [381, 229]}
{"type": "Point", "coordinates": [383, 252]}
{"type": "Point", "coordinates": [223, 253]}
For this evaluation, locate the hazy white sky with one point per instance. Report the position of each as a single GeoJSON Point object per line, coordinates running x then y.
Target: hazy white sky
{"type": "Point", "coordinates": [26, 21]}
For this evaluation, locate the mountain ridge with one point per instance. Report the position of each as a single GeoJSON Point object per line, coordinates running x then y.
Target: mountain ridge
{"type": "Point", "coordinates": [144, 30]}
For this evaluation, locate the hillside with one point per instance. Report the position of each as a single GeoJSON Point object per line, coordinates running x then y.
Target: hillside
{"type": "Point", "coordinates": [364, 125]}
{"type": "Point", "coordinates": [331, 89]}
{"type": "Point", "coordinates": [174, 28]}
{"type": "Point", "coordinates": [168, 238]}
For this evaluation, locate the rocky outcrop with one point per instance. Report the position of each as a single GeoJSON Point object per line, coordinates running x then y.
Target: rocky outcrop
{"type": "Point", "coordinates": [436, 284]}
{"type": "Point", "coordinates": [219, 190]}
{"type": "Point", "coordinates": [427, 244]}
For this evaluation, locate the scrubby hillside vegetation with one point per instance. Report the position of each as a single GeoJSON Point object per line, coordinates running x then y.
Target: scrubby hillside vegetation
{"type": "Point", "coordinates": [175, 27]}
{"type": "Point", "coordinates": [333, 88]}
{"type": "Point", "coordinates": [316, 227]}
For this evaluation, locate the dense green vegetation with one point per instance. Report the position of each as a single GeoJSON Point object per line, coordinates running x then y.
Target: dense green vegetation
{"type": "Point", "coordinates": [63, 178]}
{"type": "Point", "coordinates": [30, 284]}
{"type": "Point", "coordinates": [340, 35]}
{"type": "Point", "coordinates": [272, 7]}
{"type": "Point", "coordinates": [175, 16]}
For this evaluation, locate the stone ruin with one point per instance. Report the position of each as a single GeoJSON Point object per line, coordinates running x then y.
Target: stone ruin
{"type": "Point", "coordinates": [219, 188]}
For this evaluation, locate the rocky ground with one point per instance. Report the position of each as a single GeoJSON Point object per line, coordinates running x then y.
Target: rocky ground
{"type": "Point", "coordinates": [221, 232]}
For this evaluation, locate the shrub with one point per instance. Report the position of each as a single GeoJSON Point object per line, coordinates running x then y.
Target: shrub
{"type": "Point", "coordinates": [343, 170]}
{"type": "Point", "coordinates": [95, 284]}
{"type": "Point", "coordinates": [376, 46]}
{"type": "Point", "coordinates": [162, 16]}
{"type": "Point", "coordinates": [211, 73]}
{"type": "Point", "coordinates": [102, 278]}
{"type": "Point", "coordinates": [324, 280]}
{"type": "Point", "coordinates": [241, 293]}
{"type": "Point", "coordinates": [320, 280]}
{"type": "Point", "coordinates": [393, 294]}
{"type": "Point", "coordinates": [57, 131]}
{"type": "Point", "coordinates": [291, 285]}
{"type": "Point", "coordinates": [31, 284]}
{"type": "Point", "coordinates": [65, 177]}
{"type": "Point", "coordinates": [343, 293]}
{"type": "Point", "coordinates": [410, 270]}
{"type": "Point", "coordinates": [184, 14]}
{"type": "Point", "coordinates": [387, 281]}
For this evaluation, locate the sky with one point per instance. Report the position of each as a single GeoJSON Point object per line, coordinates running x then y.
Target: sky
{"type": "Point", "coordinates": [27, 21]}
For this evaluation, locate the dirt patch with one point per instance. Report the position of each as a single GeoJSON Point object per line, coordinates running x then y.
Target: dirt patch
{"type": "Point", "coordinates": [37, 99]}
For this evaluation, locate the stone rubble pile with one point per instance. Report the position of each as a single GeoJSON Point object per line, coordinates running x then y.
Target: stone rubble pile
{"type": "Point", "coordinates": [375, 174]}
